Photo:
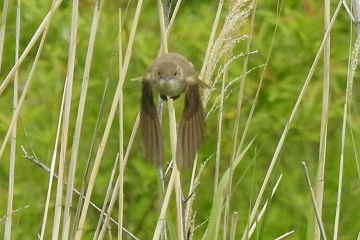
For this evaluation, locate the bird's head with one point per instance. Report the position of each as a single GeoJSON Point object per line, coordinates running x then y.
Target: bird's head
{"type": "Point", "coordinates": [167, 71]}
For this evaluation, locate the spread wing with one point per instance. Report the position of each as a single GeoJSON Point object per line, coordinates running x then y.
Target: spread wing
{"type": "Point", "coordinates": [191, 128]}
{"type": "Point", "coordinates": [150, 127]}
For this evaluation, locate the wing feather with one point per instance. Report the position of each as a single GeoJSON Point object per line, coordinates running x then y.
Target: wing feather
{"type": "Point", "coordinates": [191, 128]}
{"type": "Point", "coordinates": [153, 142]}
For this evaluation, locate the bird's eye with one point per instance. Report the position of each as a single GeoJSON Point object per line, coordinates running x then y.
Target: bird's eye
{"type": "Point", "coordinates": [175, 74]}
{"type": "Point", "coordinates": [158, 73]}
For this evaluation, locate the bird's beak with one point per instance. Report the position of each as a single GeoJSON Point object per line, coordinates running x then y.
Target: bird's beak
{"type": "Point", "coordinates": [167, 78]}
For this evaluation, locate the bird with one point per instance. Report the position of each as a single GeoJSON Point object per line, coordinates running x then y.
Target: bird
{"type": "Point", "coordinates": [170, 75]}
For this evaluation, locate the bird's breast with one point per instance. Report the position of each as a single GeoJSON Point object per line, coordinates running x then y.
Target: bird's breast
{"type": "Point", "coordinates": [169, 87]}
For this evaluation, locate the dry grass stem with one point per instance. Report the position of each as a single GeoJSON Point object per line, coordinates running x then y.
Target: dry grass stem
{"type": "Point", "coordinates": [285, 235]}
{"type": "Point", "coordinates": [173, 16]}
{"type": "Point", "coordinates": [218, 148]}
{"type": "Point", "coordinates": [111, 187]}
{"type": "Point", "coordinates": [320, 176]}
{"type": "Point", "coordinates": [27, 85]}
{"type": "Point", "coordinates": [261, 213]}
{"type": "Point", "coordinates": [121, 139]}
{"type": "Point", "coordinates": [161, 219]}
{"type": "Point", "coordinates": [40, 30]}
{"type": "Point", "coordinates": [292, 115]}
{"type": "Point", "coordinates": [114, 195]}
{"type": "Point", "coordinates": [101, 211]}
{"type": "Point", "coordinates": [242, 85]}
{"type": "Point", "coordinates": [178, 192]}
{"type": "Point", "coordinates": [109, 123]}
{"type": "Point", "coordinates": [9, 209]}
{"type": "Point", "coordinates": [355, 56]}
{"type": "Point", "coordinates": [79, 120]}
{"type": "Point", "coordinates": [211, 39]}
{"type": "Point", "coordinates": [64, 138]}
{"type": "Point", "coordinates": [189, 201]}
{"type": "Point", "coordinates": [2, 29]}
{"type": "Point", "coordinates": [313, 199]}
{"type": "Point", "coordinates": [233, 225]}
{"type": "Point", "coordinates": [349, 85]}
{"type": "Point", "coordinates": [163, 37]}
{"type": "Point", "coordinates": [53, 163]}
{"type": "Point", "coordinates": [207, 54]}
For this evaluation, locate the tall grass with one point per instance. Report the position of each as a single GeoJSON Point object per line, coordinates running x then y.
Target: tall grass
{"type": "Point", "coordinates": [227, 66]}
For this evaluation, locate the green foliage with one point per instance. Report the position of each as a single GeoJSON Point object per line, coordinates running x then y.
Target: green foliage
{"type": "Point", "coordinates": [299, 34]}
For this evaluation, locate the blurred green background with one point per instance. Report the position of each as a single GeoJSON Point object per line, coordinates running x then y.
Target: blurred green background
{"type": "Point", "coordinates": [298, 37]}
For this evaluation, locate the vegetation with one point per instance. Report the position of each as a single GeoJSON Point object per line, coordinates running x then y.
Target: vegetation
{"type": "Point", "coordinates": [262, 123]}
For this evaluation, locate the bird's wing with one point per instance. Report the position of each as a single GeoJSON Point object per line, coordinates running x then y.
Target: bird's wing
{"type": "Point", "coordinates": [150, 126]}
{"type": "Point", "coordinates": [205, 85]}
{"type": "Point", "coordinates": [193, 79]}
{"type": "Point", "coordinates": [191, 129]}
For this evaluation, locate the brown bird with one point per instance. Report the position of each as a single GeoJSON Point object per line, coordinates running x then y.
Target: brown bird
{"type": "Point", "coordinates": [170, 75]}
